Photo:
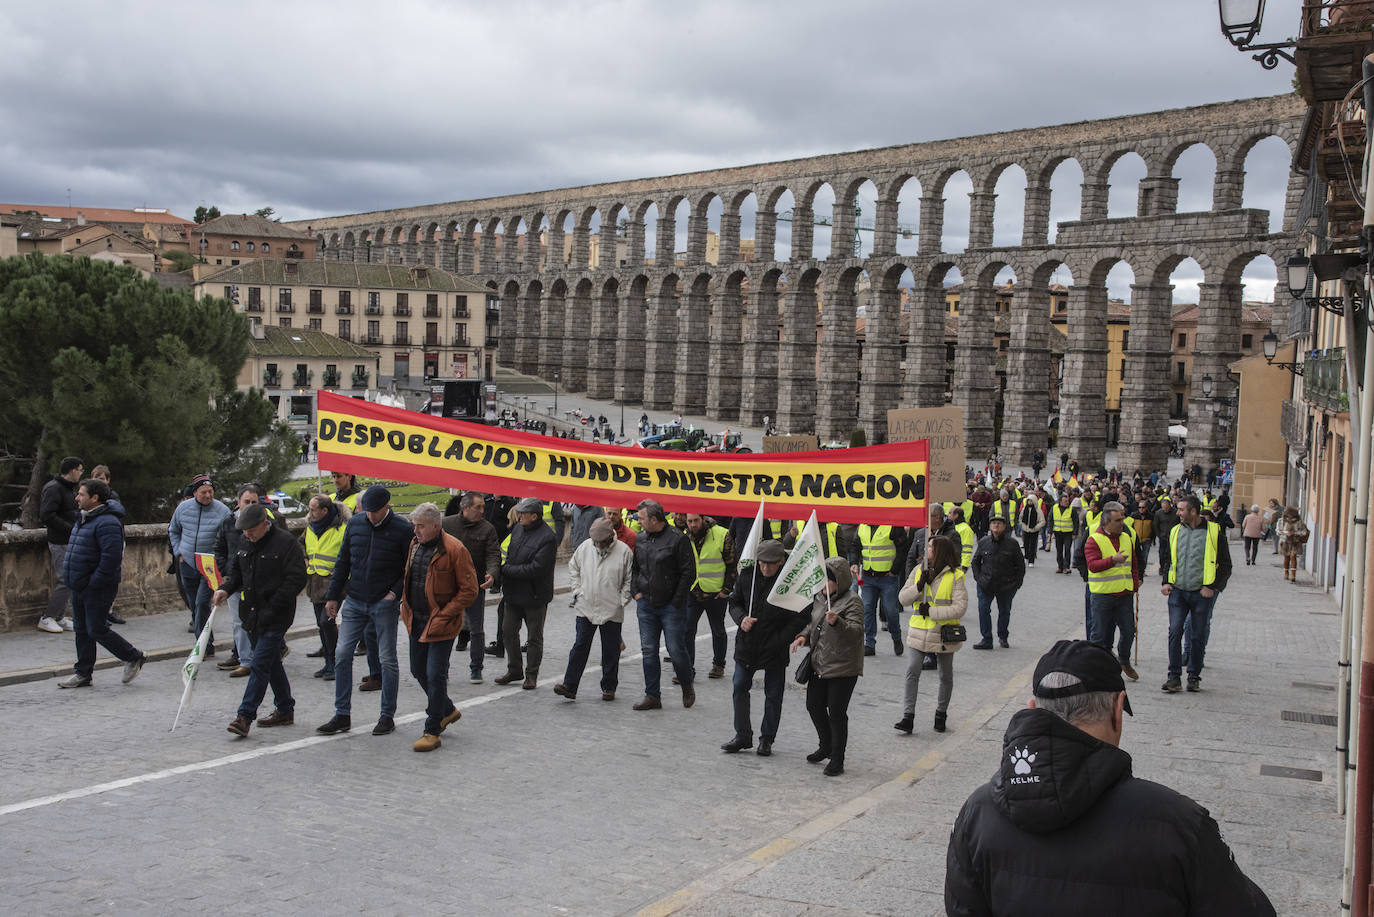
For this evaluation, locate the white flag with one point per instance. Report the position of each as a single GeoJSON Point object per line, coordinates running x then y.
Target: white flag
{"type": "Point", "coordinates": [751, 544]}
{"type": "Point", "coordinates": [192, 665]}
{"type": "Point", "coordinates": [804, 573]}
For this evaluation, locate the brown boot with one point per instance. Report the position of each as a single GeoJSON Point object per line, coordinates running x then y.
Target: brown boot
{"type": "Point", "coordinates": [277, 718]}
{"type": "Point", "coordinates": [508, 678]}
{"type": "Point", "coordinates": [649, 703]}
{"type": "Point", "coordinates": [240, 726]}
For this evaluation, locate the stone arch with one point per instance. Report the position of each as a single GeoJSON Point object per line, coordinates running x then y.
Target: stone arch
{"type": "Point", "coordinates": [758, 386]}
{"type": "Point", "coordinates": [612, 252]}
{"type": "Point", "coordinates": [723, 383]}
{"type": "Point", "coordinates": [797, 383]}
{"type": "Point", "coordinates": [732, 226]}
{"type": "Point", "coordinates": [936, 212]}
{"type": "Point", "coordinates": [1122, 200]}
{"type": "Point", "coordinates": [602, 332]}
{"type": "Point", "coordinates": [507, 324]}
{"type": "Point", "coordinates": [694, 346]}
{"type": "Point", "coordinates": [647, 241]}
{"type": "Point", "coordinates": [660, 342]}
{"type": "Point", "coordinates": [699, 228]}
{"type": "Point", "coordinates": [767, 231]}
{"type": "Point", "coordinates": [577, 335]}
{"type": "Point", "coordinates": [529, 326]}
{"type": "Point", "coordinates": [1006, 223]}
{"type": "Point", "coordinates": [631, 331]}
{"type": "Point", "coordinates": [897, 221]}
{"type": "Point", "coordinates": [552, 335]}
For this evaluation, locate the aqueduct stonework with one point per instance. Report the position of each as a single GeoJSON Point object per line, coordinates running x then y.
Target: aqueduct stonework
{"type": "Point", "coordinates": [736, 339]}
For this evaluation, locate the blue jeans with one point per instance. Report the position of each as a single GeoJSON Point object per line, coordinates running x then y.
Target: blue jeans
{"type": "Point", "coordinates": [90, 621]}
{"type": "Point", "coordinates": [354, 616]}
{"type": "Point", "coordinates": [198, 592]}
{"type": "Point", "coordinates": [582, 649]}
{"type": "Point", "coordinates": [774, 681]}
{"type": "Point", "coordinates": [1113, 612]}
{"type": "Point", "coordinates": [881, 589]}
{"type": "Point", "coordinates": [1193, 611]}
{"type": "Point", "coordinates": [1003, 612]}
{"type": "Point", "coordinates": [266, 668]}
{"type": "Point", "coordinates": [243, 643]}
{"type": "Point", "coordinates": [475, 616]}
{"type": "Point", "coordinates": [429, 665]}
{"type": "Point", "coordinates": [670, 622]}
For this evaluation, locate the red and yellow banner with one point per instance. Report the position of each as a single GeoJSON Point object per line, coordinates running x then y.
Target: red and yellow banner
{"type": "Point", "coordinates": [874, 484]}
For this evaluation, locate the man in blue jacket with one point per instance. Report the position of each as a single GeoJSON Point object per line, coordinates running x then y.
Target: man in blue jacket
{"type": "Point", "coordinates": [192, 531]}
{"type": "Point", "coordinates": [92, 568]}
{"type": "Point", "coordinates": [367, 577]}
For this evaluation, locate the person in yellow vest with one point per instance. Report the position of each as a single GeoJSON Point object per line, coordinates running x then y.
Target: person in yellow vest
{"type": "Point", "coordinates": [939, 593]}
{"type": "Point", "coordinates": [632, 517]}
{"type": "Point", "coordinates": [968, 540]}
{"type": "Point", "coordinates": [1008, 507]}
{"type": "Point", "coordinates": [1064, 525]}
{"type": "Point", "coordinates": [716, 560]}
{"type": "Point", "coordinates": [1199, 567]}
{"type": "Point", "coordinates": [876, 552]}
{"type": "Point", "coordinates": [346, 490]}
{"type": "Point", "coordinates": [324, 531]}
{"type": "Point", "coordinates": [1113, 578]}
{"type": "Point", "coordinates": [998, 569]}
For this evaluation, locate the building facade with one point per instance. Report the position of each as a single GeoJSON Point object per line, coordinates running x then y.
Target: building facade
{"type": "Point", "coordinates": [292, 365]}
{"type": "Point", "coordinates": [236, 238]}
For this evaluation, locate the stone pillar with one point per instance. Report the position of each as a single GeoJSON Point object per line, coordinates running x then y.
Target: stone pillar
{"type": "Point", "coordinates": [577, 349]}
{"type": "Point", "coordinates": [1217, 344]}
{"type": "Point", "coordinates": [600, 377]}
{"type": "Point", "coordinates": [932, 223]}
{"type": "Point", "coordinates": [527, 332]}
{"type": "Point", "coordinates": [410, 253]}
{"type": "Point", "coordinates": [448, 260]}
{"type": "Point", "coordinates": [635, 240]}
{"type": "Point", "coordinates": [803, 233]}
{"type": "Point", "coordinates": [885, 228]}
{"type": "Point", "coordinates": [1035, 224]}
{"type": "Point", "coordinates": [842, 233]}
{"type": "Point", "coordinates": [1228, 189]}
{"type": "Point", "coordinates": [976, 386]}
{"type": "Point", "coordinates": [759, 382]}
{"type": "Point", "coordinates": [427, 253]}
{"type": "Point", "coordinates": [533, 250]}
{"type": "Point", "coordinates": [981, 205]}
{"type": "Point", "coordinates": [837, 389]}
{"type": "Point", "coordinates": [510, 245]}
{"type": "Point", "coordinates": [393, 254]}
{"type": "Point", "coordinates": [551, 334]}
{"type": "Point", "coordinates": [581, 248]}
{"type": "Point", "coordinates": [729, 238]}
{"type": "Point", "coordinates": [665, 240]}
{"type": "Point", "coordinates": [629, 353]}
{"type": "Point", "coordinates": [465, 252]}
{"type": "Point", "coordinates": [508, 329]}
{"type": "Point", "coordinates": [797, 359]}
{"type": "Point", "coordinates": [693, 362]}
{"type": "Point", "coordinates": [723, 384]}
{"type": "Point", "coordinates": [1145, 383]}
{"type": "Point", "coordinates": [1158, 195]}
{"type": "Point", "coordinates": [660, 348]}
{"type": "Point", "coordinates": [880, 366]}
{"type": "Point", "coordinates": [696, 237]}
{"type": "Point", "coordinates": [1093, 204]}
{"type": "Point", "coordinates": [553, 249]}
{"type": "Point", "coordinates": [1026, 410]}
{"type": "Point", "coordinates": [347, 253]}
{"type": "Point", "coordinates": [765, 235]}
{"type": "Point", "coordinates": [487, 260]}
{"type": "Point", "coordinates": [1083, 394]}
{"type": "Point", "coordinates": [924, 385]}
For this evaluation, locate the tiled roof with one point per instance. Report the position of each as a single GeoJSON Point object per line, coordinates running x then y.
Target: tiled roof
{"type": "Point", "coordinates": [301, 342]}
{"type": "Point", "coordinates": [97, 214]}
{"type": "Point", "coordinates": [250, 224]}
{"type": "Point", "coordinates": [347, 274]}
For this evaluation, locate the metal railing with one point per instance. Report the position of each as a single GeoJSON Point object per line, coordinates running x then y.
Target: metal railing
{"type": "Point", "coordinates": [1323, 381]}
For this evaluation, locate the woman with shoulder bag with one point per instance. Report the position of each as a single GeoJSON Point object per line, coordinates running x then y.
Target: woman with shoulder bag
{"type": "Point", "coordinates": [836, 638]}
{"type": "Point", "coordinates": [940, 595]}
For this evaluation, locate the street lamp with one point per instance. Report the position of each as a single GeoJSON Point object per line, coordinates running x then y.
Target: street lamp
{"type": "Point", "coordinates": [622, 419]}
{"type": "Point", "coordinates": [1240, 23]}
{"type": "Point", "coordinates": [1270, 343]}
{"type": "Point", "coordinates": [1207, 385]}
{"type": "Point", "coordinates": [1303, 270]}
{"type": "Point", "coordinates": [555, 394]}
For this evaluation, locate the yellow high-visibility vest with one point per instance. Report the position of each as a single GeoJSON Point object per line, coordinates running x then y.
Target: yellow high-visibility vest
{"type": "Point", "coordinates": [879, 551]}
{"type": "Point", "coordinates": [1117, 578]}
{"type": "Point", "coordinates": [968, 540]}
{"type": "Point", "coordinates": [351, 501]}
{"type": "Point", "coordinates": [1063, 518]}
{"type": "Point", "coordinates": [711, 561]}
{"type": "Point", "coordinates": [1209, 557]}
{"type": "Point", "coordinates": [322, 551]}
{"type": "Point", "coordinates": [941, 596]}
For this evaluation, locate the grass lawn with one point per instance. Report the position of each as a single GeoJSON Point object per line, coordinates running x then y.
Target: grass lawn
{"type": "Point", "coordinates": [404, 497]}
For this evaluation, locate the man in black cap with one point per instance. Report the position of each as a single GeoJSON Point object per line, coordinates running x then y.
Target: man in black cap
{"type": "Point", "coordinates": [1062, 821]}
{"type": "Point", "coordinates": [368, 577]}
{"type": "Point", "coordinates": [999, 568]}
{"type": "Point", "coordinates": [269, 572]}
{"type": "Point", "coordinates": [527, 584]}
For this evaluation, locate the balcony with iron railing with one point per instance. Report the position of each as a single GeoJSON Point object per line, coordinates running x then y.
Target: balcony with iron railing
{"type": "Point", "coordinates": [402, 311]}
{"type": "Point", "coordinates": [432, 312]}
{"type": "Point", "coordinates": [343, 308]}
{"type": "Point", "coordinates": [285, 307]}
{"type": "Point", "coordinates": [253, 307]}
{"type": "Point", "coordinates": [301, 378]}
{"type": "Point", "coordinates": [374, 310]}
{"type": "Point", "coordinates": [1323, 383]}
{"type": "Point", "coordinates": [360, 378]}
{"type": "Point", "coordinates": [400, 339]}
{"type": "Point", "coordinates": [370, 338]}
{"type": "Point", "coordinates": [315, 308]}
{"type": "Point", "coordinates": [1334, 38]}
{"type": "Point", "coordinates": [271, 378]}
{"type": "Point", "coordinates": [332, 378]}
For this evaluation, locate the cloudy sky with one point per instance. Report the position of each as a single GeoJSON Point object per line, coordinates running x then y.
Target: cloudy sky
{"type": "Point", "coordinates": [325, 108]}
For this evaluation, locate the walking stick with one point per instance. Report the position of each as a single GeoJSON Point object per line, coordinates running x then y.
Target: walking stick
{"type": "Point", "coordinates": [1137, 627]}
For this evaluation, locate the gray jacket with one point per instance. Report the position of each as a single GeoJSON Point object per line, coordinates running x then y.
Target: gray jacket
{"type": "Point", "coordinates": [837, 650]}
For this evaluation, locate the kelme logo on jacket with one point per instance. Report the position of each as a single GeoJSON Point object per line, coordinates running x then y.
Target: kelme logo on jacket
{"type": "Point", "coordinates": [1021, 760]}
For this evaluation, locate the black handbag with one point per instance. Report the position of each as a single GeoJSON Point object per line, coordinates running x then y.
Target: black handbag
{"type": "Point", "coordinates": [804, 669]}
{"type": "Point", "coordinates": [953, 633]}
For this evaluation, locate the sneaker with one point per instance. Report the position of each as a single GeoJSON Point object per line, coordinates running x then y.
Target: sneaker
{"type": "Point", "coordinates": [475, 678]}
{"type": "Point", "coordinates": [819, 755]}
{"type": "Point", "coordinates": [1194, 683]}
{"type": "Point", "coordinates": [66, 624]}
{"type": "Point", "coordinates": [49, 626]}
{"type": "Point", "coordinates": [1129, 672]}
{"type": "Point", "coordinates": [1172, 686]}
{"type": "Point", "coordinates": [131, 669]}
{"type": "Point", "coordinates": [75, 681]}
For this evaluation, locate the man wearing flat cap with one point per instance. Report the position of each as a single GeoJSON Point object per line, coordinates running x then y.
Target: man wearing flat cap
{"type": "Point", "coordinates": [1064, 827]}
{"type": "Point", "coordinates": [368, 576]}
{"type": "Point", "coordinates": [269, 572]}
{"type": "Point", "coordinates": [527, 585]}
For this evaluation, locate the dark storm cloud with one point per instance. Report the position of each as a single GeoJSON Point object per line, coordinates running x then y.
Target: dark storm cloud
{"type": "Point", "coordinates": [323, 108]}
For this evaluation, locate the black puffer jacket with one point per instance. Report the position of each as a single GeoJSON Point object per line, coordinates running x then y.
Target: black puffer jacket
{"type": "Point", "coordinates": [57, 509]}
{"type": "Point", "coordinates": [664, 567]}
{"type": "Point", "coordinates": [270, 572]}
{"type": "Point", "coordinates": [527, 574]}
{"type": "Point", "coordinates": [1063, 828]}
{"type": "Point", "coordinates": [998, 564]}
{"type": "Point", "coordinates": [767, 643]}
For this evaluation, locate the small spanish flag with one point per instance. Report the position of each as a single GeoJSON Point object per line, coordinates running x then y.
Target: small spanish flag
{"type": "Point", "coordinates": [205, 563]}
{"type": "Point", "coordinates": [1073, 481]}
{"type": "Point", "coordinates": [1058, 478]}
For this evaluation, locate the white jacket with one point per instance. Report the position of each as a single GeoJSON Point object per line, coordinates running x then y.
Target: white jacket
{"type": "Point", "coordinates": [601, 584]}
